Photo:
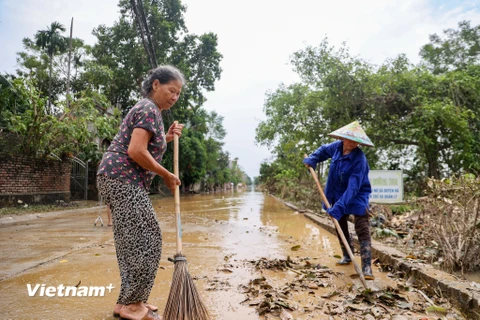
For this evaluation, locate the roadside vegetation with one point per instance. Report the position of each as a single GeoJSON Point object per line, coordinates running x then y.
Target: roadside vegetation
{"type": "Point", "coordinates": [423, 119]}
{"type": "Point", "coordinates": [67, 98]}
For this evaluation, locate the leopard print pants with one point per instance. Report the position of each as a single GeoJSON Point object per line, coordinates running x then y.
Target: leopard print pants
{"type": "Point", "coordinates": [137, 236]}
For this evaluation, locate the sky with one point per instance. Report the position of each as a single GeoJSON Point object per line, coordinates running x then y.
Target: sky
{"type": "Point", "coordinates": [257, 39]}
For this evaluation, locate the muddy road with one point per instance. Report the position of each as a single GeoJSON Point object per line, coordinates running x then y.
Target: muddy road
{"type": "Point", "coordinates": [224, 236]}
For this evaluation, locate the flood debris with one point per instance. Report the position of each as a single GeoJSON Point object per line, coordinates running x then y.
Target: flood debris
{"type": "Point", "coordinates": [268, 230]}
{"type": "Point", "coordinates": [217, 284]}
{"type": "Point", "coordinates": [441, 228]}
{"type": "Point", "coordinates": [311, 292]}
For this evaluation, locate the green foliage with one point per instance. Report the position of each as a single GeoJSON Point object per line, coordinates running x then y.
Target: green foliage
{"type": "Point", "coordinates": [121, 45]}
{"type": "Point", "coordinates": [384, 232]}
{"type": "Point", "coordinates": [29, 121]}
{"type": "Point", "coordinates": [52, 42]}
{"type": "Point", "coordinates": [110, 74]}
{"type": "Point", "coordinates": [34, 64]}
{"type": "Point", "coordinates": [236, 173]}
{"type": "Point", "coordinates": [70, 132]}
{"type": "Point", "coordinates": [423, 123]}
{"type": "Point", "coordinates": [457, 50]}
{"type": "Point", "coordinates": [49, 73]}
{"type": "Point", "coordinates": [400, 209]}
{"type": "Point", "coordinates": [415, 113]}
{"type": "Point", "coordinates": [14, 98]}
{"type": "Point", "coordinates": [298, 103]}
{"type": "Point", "coordinates": [120, 59]}
{"type": "Point", "coordinates": [195, 155]}
{"type": "Point", "coordinates": [339, 79]}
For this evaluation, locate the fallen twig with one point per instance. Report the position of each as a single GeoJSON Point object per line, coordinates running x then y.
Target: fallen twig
{"type": "Point", "coordinates": [425, 296]}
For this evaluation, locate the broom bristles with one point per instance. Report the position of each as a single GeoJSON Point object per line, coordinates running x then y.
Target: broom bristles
{"type": "Point", "coordinates": [184, 302]}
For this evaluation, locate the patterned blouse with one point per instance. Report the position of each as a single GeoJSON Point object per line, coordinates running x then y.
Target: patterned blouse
{"type": "Point", "coordinates": [117, 164]}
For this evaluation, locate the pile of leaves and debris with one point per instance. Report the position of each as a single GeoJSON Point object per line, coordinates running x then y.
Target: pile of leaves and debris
{"type": "Point", "coordinates": [441, 228]}
{"type": "Point", "coordinates": [328, 300]}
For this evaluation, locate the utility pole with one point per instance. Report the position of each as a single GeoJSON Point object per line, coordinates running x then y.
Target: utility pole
{"type": "Point", "coordinates": [139, 15]}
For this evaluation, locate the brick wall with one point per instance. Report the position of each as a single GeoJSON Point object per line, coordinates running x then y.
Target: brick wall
{"type": "Point", "coordinates": [33, 180]}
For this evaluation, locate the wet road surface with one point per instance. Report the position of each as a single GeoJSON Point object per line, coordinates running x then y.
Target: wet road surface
{"type": "Point", "coordinates": [221, 232]}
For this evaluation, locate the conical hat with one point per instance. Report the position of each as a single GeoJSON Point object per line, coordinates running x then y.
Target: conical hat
{"type": "Point", "coordinates": [352, 131]}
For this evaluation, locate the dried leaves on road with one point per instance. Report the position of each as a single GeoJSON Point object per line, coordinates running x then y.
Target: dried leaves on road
{"type": "Point", "coordinates": [309, 292]}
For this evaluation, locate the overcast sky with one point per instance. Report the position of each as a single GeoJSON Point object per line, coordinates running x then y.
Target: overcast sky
{"type": "Point", "coordinates": [256, 38]}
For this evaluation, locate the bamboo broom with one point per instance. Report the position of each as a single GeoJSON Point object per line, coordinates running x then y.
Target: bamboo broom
{"type": "Point", "coordinates": [184, 302]}
{"type": "Point", "coordinates": [337, 226]}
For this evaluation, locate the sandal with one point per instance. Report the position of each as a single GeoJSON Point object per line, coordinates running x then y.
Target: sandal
{"type": "Point", "coordinates": [147, 305]}
{"type": "Point", "coordinates": [149, 316]}
{"type": "Point", "coordinates": [151, 307]}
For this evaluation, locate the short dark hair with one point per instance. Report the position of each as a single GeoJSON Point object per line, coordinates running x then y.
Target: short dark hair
{"type": "Point", "coordinates": [164, 74]}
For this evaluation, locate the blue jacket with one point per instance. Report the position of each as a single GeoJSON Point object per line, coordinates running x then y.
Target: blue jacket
{"type": "Point", "coordinates": [348, 187]}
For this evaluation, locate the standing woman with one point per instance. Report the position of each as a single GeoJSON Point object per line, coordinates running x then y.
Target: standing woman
{"type": "Point", "coordinates": [348, 188]}
{"type": "Point", "coordinates": [124, 176]}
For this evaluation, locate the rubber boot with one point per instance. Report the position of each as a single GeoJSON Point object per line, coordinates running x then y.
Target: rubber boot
{"type": "Point", "coordinates": [366, 255]}
{"type": "Point", "coordinates": [346, 258]}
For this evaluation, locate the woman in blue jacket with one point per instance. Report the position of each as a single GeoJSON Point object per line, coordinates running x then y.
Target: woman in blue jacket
{"type": "Point", "coordinates": [348, 188]}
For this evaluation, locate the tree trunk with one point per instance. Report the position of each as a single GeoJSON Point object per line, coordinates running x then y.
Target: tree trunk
{"type": "Point", "coordinates": [69, 60]}
{"type": "Point", "coordinates": [432, 160]}
{"type": "Point", "coordinates": [50, 85]}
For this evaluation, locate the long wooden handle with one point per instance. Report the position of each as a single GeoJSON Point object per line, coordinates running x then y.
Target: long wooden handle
{"type": "Point", "coordinates": [178, 223]}
{"type": "Point", "coordinates": [337, 226]}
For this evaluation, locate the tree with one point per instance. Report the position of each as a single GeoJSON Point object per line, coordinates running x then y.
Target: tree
{"type": "Point", "coordinates": [34, 64]}
{"type": "Point", "coordinates": [294, 114]}
{"type": "Point", "coordinates": [69, 63]}
{"type": "Point", "coordinates": [457, 50]}
{"type": "Point", "coordinates": [340, 80]}
{"type": "Point", "coordinates": [38, 133]}
{"type": "Point", "coordinates": [118, 51]}
{"type": "Point", "coordinates": [14, 99]}
{"type": "Point", "coordinates": [423, 123]}
{"type": "Point", "coordinates": [52, 42]}
{"type": "Point", "coordinates": [147, 33]}
{"type": "Point", "coordinates": [156, 29]}
{"type": "Point", "coordinates": [415, 113]}
{"type": "Point", "coordinates": [121, 48]}
{"type": "Point", "coordinates": [215, 164]}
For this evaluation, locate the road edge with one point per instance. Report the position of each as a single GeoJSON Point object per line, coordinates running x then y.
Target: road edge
{"type": "Point", "coordinates": [31, 216]}
{"type": "Point", "coordinates": [459, 292]}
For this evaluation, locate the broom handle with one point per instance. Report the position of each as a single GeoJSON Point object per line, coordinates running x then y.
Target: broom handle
{"type": "Point", "coordinates": [337, 226]}
{"type": "Point", "coordinates": [178, 224]}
